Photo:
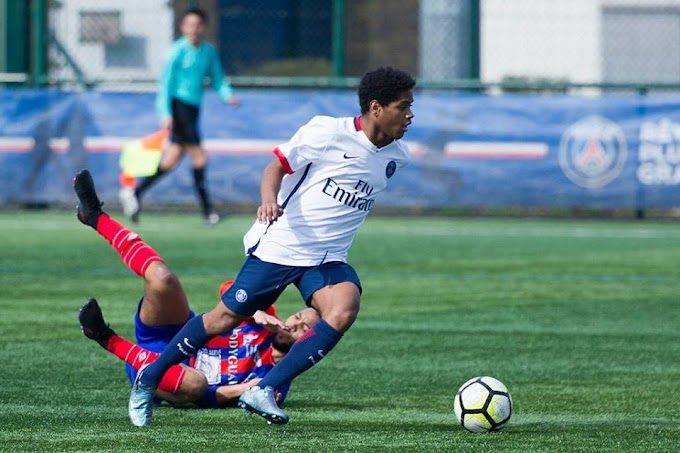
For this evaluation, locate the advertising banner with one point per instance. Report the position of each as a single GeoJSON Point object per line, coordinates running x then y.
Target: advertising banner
{"type": "Point", "coordinates": [469, 150]}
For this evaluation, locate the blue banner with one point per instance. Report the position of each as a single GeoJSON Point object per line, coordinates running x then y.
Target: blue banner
{"type": "Point", "coordinates": [468, 150]}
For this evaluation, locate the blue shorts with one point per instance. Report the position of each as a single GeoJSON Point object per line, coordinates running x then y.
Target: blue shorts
{"type": "Point", "coordinates": [153, 338]}
{"type": "Point", "coordinates": [260, 283]}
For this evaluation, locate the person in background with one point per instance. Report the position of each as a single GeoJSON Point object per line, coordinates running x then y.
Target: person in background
{"type": "Point", "coordinates": [189, 62]}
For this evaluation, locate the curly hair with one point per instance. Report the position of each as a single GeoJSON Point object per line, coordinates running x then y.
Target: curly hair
{"type": "Point", "coordinates": [384, 85]}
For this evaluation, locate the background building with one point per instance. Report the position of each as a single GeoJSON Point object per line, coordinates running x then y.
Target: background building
{"type": "Point", "coordinates": [580, 41]}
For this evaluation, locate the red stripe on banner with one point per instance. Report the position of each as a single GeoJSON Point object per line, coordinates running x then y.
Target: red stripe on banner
{"type": "Point", "coordinates": [115, 145]}
{"type": "Point", "coordinates": [496, 150]}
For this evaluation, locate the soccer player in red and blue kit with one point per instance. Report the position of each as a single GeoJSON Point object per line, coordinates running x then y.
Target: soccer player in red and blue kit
{"type": "Point", "coordinates": [217, 374]}
{"type": "Point", "coordinates": [315, 194]}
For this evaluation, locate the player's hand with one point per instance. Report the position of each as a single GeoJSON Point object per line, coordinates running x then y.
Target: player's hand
{"type": "Point", "coordinates": [269, 322]}
{"type": "Point", "coordinates": [269, 212]}
{"type": "Point", "coordinates": [251, 383]}
{"type": "Point", "coordinates": [167, 123]}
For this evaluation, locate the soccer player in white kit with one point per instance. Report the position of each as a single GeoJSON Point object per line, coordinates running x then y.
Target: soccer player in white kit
{"type": "Point", "coordinates": [315, 194]}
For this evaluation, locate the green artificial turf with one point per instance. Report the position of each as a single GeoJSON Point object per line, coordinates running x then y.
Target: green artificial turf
{"type": "Point", "coordinates": [580, 319]}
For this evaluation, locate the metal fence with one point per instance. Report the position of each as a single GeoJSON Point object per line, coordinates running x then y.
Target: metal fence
{"type": "Point", "coordinates": [465, 44]}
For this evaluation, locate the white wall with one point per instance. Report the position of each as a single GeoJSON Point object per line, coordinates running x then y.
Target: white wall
{"type": "Point", "coordinates": [149, 22]}
{"type": "Point", "coordinates": [545, 38]}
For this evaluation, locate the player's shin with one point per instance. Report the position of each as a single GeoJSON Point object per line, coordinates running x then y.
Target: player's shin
{"type": "Point", "coordinates": [305, 353]}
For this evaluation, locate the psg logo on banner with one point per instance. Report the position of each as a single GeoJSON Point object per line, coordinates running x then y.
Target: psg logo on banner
{"type": "Point", "coordinates": [592, 152]}
{"type": "Point", "coordinates": [391, 168]}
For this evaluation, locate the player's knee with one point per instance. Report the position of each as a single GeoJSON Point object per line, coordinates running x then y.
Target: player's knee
{"type": "Point", "coordinates": [342, 319]}
{"type": "Point", "coordinates": [161, 278]}
{"type": "Point", "coordinates": [198, 158]}
{"type": "Point", "coordinates": [221, 320]}
{"type": "Point", "coordinates": [170, 162]}
{"type": "Point", "coordinates": [199, 164]}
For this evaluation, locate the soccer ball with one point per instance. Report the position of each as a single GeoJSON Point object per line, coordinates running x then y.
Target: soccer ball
{"type": "Point", "coordinates": [483, 404]}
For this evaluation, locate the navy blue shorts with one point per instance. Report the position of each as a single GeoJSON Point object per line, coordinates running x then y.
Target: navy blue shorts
{"type": "Point", "coordinates": [260, 283]}
{"type": "Point", "coordinates": [184, 123]}
{"type": "Point", "coordinates": [153, 338]}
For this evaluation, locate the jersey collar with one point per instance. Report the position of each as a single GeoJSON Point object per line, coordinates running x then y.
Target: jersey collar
{"type": "Point", "coordinates": [357, 123]}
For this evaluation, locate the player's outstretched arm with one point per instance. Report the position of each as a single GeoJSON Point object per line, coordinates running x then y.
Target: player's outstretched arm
{"type": "Point", "coordinates": [227, 395]}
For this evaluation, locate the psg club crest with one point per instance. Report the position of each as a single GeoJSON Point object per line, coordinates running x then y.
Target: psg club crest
{"type": "Point", "coordinates": [241, 296]}
{"type": "Point", "coordinates": [592, 152]}
{"type": "Point", "coordinates": [391, 168]}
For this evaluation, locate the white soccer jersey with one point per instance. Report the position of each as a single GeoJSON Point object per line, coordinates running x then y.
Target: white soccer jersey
{"type": "Point", "coordinates": [334, 175]}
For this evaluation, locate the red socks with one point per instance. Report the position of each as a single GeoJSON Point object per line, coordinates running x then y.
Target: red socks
{"type": "Point", "coordinates": [134, 252]}
{"type": "Point", "coordinates": [137, 255]}
{"type": "Point", "coordinates": [137, 356]}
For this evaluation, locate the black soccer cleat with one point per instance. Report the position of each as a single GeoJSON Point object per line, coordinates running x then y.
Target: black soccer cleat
{"type": "Point", "coordinates": [90, 208]}
{"type": "Point", "coordinates": [92, 323]}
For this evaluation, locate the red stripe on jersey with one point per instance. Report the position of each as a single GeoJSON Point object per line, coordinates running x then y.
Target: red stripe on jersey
{"type": "Point", "coordinates": [357, 123]}
{"type": "Point", "coordinates": [284, 161]}
{"type": "Point", "coordinates": [220, 341]}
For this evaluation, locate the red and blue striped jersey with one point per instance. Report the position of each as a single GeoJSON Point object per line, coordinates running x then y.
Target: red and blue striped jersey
{"type": "Point", "coordinates": [244, 354]}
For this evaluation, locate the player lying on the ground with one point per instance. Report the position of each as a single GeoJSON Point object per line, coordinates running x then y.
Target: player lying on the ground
{"type": "Point", "coordinates": [218, 373]}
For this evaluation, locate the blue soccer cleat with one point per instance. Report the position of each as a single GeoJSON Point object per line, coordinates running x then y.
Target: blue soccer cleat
{"type": "Point", "coordinates": [140, 408]}
{"type": "Point", "coordinates": [262, 402]}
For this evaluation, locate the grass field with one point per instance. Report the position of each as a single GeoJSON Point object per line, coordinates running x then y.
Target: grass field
{"type": "Point", "coordinates": [580, 319]}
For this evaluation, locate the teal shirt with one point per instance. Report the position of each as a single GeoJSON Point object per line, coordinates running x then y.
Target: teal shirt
{"type": "Point", "coordinates": [184, 73]}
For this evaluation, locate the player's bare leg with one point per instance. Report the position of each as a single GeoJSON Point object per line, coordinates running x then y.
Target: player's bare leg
{"type": "Point", "coordinates": [171, 156]}
{"type": "Point", "coordinates": [165, 302]}
{"type": "Point", "coordinates": [221, 320]}
{"type": "Point", "coordinates": [338, 306]}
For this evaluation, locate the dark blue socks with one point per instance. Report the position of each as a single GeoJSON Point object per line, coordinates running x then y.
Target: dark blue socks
{"type": "Point", "coordinates": [305, 353]}
{"type": "Point", "coordinates": [187, 341]}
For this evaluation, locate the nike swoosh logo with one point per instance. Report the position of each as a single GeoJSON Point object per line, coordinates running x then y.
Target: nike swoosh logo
{"type": "Point", "coordinates": [349, 157]}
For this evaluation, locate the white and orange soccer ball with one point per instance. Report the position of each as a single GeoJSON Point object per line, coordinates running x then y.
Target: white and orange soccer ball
{"type": "Point", "coordinates": [483, 404]}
